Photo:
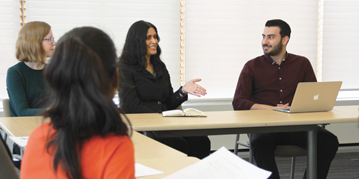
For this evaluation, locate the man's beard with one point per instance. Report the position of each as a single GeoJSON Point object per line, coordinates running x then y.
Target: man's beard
{"type": "Point", "coordinates": [276, 50]}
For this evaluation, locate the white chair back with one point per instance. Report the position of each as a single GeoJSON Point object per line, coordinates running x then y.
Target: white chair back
{"type": "Point", "coordinates": [6, 107]}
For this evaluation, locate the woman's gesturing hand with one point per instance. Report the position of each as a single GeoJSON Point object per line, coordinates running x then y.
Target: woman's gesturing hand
{"type": "Point", "coordinates": [192, 88]}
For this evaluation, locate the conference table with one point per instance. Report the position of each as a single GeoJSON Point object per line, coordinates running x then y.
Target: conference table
{"type": "Point", "coordinates": [148, 152]}
{"type": "Point", "coordinates": [216, 123]}
{"type": "Point", "coordinates": [250, 121]}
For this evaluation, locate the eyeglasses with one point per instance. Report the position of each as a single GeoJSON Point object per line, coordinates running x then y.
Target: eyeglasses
{"type": "Point", "coordinates": [50, 39]}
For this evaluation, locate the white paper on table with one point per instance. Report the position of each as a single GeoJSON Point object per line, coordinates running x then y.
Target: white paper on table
{"type": "Point", "coordinates": [20, 141]}
{"type": "Point", "coordinates": [142, 171]}
{"type": "Point", "coordinates": [221, 164]}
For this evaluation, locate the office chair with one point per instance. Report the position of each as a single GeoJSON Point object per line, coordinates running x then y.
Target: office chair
{"type": "Point", "coordinates": [281, 151]}
{"type": "Point", "coordinates": [6, 107]}
{"type": "Point", "coordinates": [7, 168]}
{"type": "Point", "coordinates": [6, 112]}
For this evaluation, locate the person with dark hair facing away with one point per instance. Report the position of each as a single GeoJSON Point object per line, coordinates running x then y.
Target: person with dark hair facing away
{"type": "Point", "coordinates": [269, 81]}
{"type": "Point", "coordinates": [145, 86]}
{"type": "Point", "coordinates": [25, 82]}
{"type": "Point", "coordinates": [86, 136]}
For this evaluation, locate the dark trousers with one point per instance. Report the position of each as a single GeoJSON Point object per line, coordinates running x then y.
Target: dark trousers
{"type": "Point", "coordinates": [192, 146]}
{"type": "Point", "coordinates": [264, 144]}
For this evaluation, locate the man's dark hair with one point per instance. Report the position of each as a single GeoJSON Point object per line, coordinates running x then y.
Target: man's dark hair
{"type": "Point", "coordinates": [284, 27]}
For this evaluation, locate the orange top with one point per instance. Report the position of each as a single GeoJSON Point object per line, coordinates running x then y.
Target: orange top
{"type": "Point", "coordinates": [108, 157]}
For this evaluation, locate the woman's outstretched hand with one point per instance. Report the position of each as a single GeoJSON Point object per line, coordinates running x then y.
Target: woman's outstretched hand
{"type": "Point", "coordinates": [192, 88]}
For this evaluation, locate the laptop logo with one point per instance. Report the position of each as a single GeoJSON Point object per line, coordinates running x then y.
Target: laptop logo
{"type": "Point", "coordinates": [316, 97]}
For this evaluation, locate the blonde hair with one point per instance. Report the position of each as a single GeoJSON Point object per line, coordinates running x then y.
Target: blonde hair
{"type": "Point", "coordinates": [29, 42]}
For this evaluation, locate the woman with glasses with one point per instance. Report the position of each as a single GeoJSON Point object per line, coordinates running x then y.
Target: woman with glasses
{"type": "Point", "coordinates": [86, 136]}
{"type": "Point", "coordinates": [24, 81]}
{"type": "Point", "coordinates": [146, 85]}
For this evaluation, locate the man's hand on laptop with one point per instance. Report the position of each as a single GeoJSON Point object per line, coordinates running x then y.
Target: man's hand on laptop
{"type": "Point", "coordinates": [268, 107]}
{"type": "Point", "coordinates": [282, 106]}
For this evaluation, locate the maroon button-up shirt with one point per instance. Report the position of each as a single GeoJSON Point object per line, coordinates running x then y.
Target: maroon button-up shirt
{"type": "Point", "coordinates": [262, 81]}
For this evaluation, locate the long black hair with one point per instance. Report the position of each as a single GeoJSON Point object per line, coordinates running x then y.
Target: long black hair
{"type": "Point", "coordinates": [135, 47]}
{"type": "Point", "coordinates": [80, 75]}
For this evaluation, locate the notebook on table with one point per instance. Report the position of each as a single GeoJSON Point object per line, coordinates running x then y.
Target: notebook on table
{"type": "Point", "coordinates": [314, 97]}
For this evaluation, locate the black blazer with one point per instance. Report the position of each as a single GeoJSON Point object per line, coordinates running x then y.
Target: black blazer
{"type": "Point", "coordinates": [141, 92]}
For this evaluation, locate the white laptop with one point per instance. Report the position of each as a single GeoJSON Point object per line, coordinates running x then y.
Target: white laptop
{"type": "Point", "coordinates": [314, 97]}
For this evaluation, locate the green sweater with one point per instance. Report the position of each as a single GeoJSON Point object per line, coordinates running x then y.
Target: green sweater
{"type": "Point", "coordinates": [25, 87]}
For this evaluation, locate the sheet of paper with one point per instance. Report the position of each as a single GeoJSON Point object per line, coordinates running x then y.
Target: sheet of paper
{"type": "Point", "coordinates": [221, 164]}
{"type": "Point", "coordinates": [142, 171]}
{"type": "Point", "coordinates": [20, 141]}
